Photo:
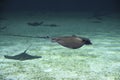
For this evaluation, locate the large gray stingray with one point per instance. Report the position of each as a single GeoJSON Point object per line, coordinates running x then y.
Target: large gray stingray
{"type": "Point", "coordinates": [22, 56]}
{"type": "Point", "coordinates": [72, 42]}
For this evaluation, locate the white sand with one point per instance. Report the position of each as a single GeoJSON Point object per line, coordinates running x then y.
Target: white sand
{"type": "Point", "coordinates": [100, 61]}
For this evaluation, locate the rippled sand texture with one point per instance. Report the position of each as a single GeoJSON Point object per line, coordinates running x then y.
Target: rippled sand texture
{"type": "Point", "coordinates": [100, 61]}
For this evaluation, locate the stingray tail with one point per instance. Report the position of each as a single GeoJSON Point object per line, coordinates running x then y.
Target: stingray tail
{"type": "Point", "coordinates": [43, 37]}
{"type": "Point", "coordinates": [27, 48]}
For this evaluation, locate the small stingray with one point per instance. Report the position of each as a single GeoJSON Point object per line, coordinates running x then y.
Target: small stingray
{"type": "Point", "coordinates": [35, 23]}
{"type": "Point", "coordinates": [22, 56]}
{"type": "Point", "coordinates": [72, 42]}
{"type": "Point", "coordinates": [3, 27]}
{"type": "Point", "coordinates": [51, 25]}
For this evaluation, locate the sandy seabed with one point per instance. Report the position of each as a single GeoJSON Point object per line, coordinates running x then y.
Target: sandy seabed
{"type": "Point", "coordinates": [100, 61]}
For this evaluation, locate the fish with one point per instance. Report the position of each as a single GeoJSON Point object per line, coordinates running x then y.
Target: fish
{"type": "Point", "coordinates": [35, 23]}
{"type": "Point", "coordinates": [22, 56]}
{"type": "Point", "coordinates": [3, 27]}
{"type": "Point", "coordinates": [72, 42]}
{"type": "Point", "coordinates": [51, 25]}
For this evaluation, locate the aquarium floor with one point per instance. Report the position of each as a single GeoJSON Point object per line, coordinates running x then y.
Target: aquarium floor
{"type": "Point", "coordinates": [100, 61]}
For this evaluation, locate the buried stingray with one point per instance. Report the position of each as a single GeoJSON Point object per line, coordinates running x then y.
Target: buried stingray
{"type": "Point", "coordinates": [72, 42]}
{"type": "Point", "coordinates": [22, 56]}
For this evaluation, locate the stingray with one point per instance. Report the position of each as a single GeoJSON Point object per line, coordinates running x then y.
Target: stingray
{"type": "Point", "coordinates": [51, 25]}
{"type": "Point", "coordinates": [72, 42]}
{"type": "Point", "coordinates": [35, 23]}
{"type": "Point", "coordinates": [3, 27]}
{"type": "Point", "coordinates": [22, 56]}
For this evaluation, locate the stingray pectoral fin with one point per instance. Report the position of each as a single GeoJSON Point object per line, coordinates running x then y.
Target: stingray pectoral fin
{"type": "Point", "coordinates": [22, 56]}
{"type": "Point", "coordinates": [8, 57]}
{"type": "Point", "coordinates": [5, 56]}
{"type": "Point", "coordinates": [12, 57]}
